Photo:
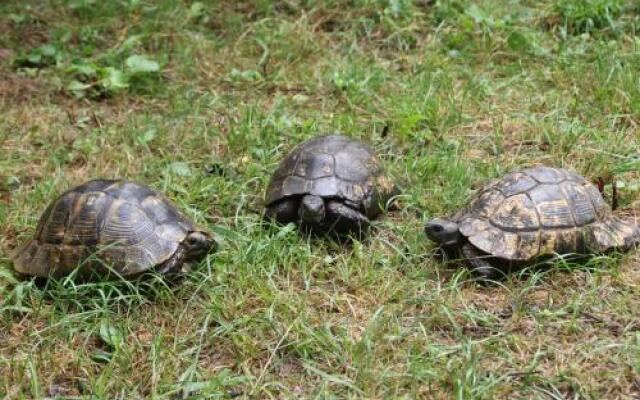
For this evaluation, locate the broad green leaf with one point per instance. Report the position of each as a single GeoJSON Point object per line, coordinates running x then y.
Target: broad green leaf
{"type": "Point", "coordinates": [34, 58]}
{"type": "Point", "coordinates": [110, 335]}
{"type": "Point", "coordinates": [75, 86]}
{"type": "Point", "coordinates": [246, 75]}
{"type": "Point", "coordinates": [113, 80]}
{"type": "Point", "coordinates": [17, 18]}
{"type": "Point", "coordinates": [83, 69]}
{"type": "Point", "coordinates": [141, 64]}
{"type": "Point", "coordinates": [47, 50]}
{"type": "Point", "coordinates": [180, 168]}
{"type": "Point", "coordinates": [197, 8]}
{"type": "Point", "coordinates": [478, 15]}
{"type": "Point", "coordinates": [147, 136]}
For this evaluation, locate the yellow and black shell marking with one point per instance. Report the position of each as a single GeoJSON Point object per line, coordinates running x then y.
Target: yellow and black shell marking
{"type": "Point", "coordinates": [104, 224]}
{"type": "Point", "coordinates": [543, 211]}
{"type": "Point", "coordinates": [333, 166]}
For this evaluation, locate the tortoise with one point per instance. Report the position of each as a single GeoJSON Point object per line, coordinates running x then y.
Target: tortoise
{"type": "Point", "coordinates": [528, 214]}
{"type": "Point", "coordinates": [329, 184]}
{"type": "Point", "coordinates": [112, 224]}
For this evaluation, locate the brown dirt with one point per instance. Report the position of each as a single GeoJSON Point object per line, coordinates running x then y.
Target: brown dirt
{"type": "Point", "coordinates": [16, 88]}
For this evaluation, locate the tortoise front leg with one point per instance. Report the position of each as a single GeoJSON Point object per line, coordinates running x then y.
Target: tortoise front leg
{"type": "Point", "coordinates": [173, 264]}
{"type": "Point", "coordinates": [479, 263]}
{"type": "Point", "coordinates": [283, 211]}
{"type": "Point", "coordinates": [344, 219]}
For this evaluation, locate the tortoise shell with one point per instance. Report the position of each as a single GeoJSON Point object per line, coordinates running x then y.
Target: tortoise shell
{"type": "Point", "coordinates": [542, 211]}
{"type": "Point", "coordinates": [127, 226]}
{"type": "Point", "coordinates": [333, 167]}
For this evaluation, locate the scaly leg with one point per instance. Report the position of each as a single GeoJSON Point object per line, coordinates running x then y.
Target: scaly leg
{"type": "Point", "coordinates": [479, 263]}
{"type": "Point", "coordinates": [284, 211]}
{"type": "Point", "coordinates": [344, 219]}
{"type": "Point", "coordinates": [173, 264]}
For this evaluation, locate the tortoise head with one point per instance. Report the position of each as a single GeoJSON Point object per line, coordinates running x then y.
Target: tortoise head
{"type": "Point", "coordinates": [312, 209]}
{"type": "Point", "coordinates": [197, 244]}
{"type": "Point", "coordinates": [444, 232]}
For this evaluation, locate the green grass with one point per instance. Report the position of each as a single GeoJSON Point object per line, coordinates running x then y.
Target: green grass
{"type": "Point", "coordinates": [451, 94]}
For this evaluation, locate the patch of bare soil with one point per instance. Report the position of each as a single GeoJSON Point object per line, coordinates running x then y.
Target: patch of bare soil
{"type": "Point", "coordinates": [16, 88]}
{"type": "Point", "coordinates": [29, 34]}
{"type": "Point", "coordinates": [5, 54]}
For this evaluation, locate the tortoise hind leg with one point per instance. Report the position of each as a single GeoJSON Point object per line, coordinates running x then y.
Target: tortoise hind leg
{"type": "Point", "coordinates": [480, 263]}
{"type": "Point", "coordinates": [611, 234]}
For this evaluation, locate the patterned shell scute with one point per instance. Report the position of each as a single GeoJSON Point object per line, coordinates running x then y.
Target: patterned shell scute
{"type": "Point", "coordinates": [485, 202]}
{"type": "Point", "coordinates": [581, 203]}
{"type": "Point", "coordinates": [546, 174]}
{"type": "Point", "coordinates": [552, 206]}
{"type": "Point", "coordinates": [601, 208]}
{"type": "Point", "coordinates": [356, 163]}
{"type": "Point", "coordinates": [532, 212]}
{"type": "Point", "coordinates": [516, 213]}
{"type": "Point", "coordinates": [514, 184]}
{"type": "Point", "coordinates": [53, 224]}
{"type": "Point", "coordinates": [315, 166]}
{"type": "Point", "coordinates": [126, 225]}
{"type": "Point", "coordinates": [329, 166]}
{"type": "Point", "coordinates": [85, 219]}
